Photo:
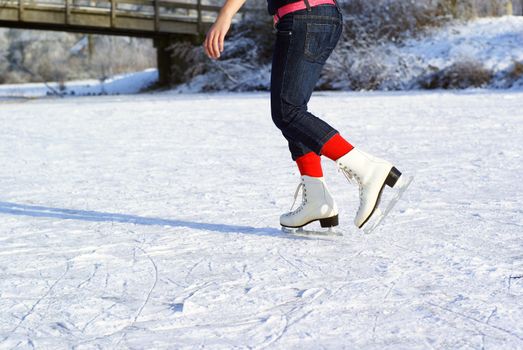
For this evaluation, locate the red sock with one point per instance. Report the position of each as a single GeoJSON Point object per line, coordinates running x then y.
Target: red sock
{"type": "Point", "coordinates": [310, 165]}
{"type": "Point", "coordinates": [336, 147]}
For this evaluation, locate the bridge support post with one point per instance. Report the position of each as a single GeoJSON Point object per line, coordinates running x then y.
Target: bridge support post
{"type": "Point", "coordinates": [171, 68]}
{"type": "Point", "coordinates": [163, 59]}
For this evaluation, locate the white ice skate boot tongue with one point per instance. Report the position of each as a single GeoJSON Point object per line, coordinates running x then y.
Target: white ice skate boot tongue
{"type": "Point", "coordinates": [317, 205]}
{"type": "Point", "coordinates": [371, 174]}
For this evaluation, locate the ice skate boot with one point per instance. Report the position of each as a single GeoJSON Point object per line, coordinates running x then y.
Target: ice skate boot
{"type": "Point", "coordinates": [317, 205]}
{"type": "Point", "coordinates": [371, 174]}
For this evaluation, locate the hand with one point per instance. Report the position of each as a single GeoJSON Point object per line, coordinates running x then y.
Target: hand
{"type": "Point", "coordinates": [213, 44]}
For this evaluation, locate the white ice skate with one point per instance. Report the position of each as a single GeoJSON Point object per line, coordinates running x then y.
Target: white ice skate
{"type": "Point", "coordinates": [371, 174]}
{"type": "Point", "coordinates": [317, 205]}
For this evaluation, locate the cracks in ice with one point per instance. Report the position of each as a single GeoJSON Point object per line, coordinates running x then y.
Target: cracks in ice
{"type": "Point", "coordinates": [170, 280]}
{"type": "Point", "coordinates": [123, 330]}
{"type": "Point", "coordinates": [179, 302]}
{"type": "Point", "coordinates": [191, 269]}
{"type": "Point", "coordinates": [378, 312]}
{"type": "Point", "coordinates": [33, 307]}
{"type": "Point", "coordinates": [104, 311]}
{"type": "Point", "coordinates": [95, 270]}
{"type": "Point", "coordinates": [272, 340]}
{"type": "Point", "coordinates": [483, 335]}
{"type": "Point", "coordinates": [462, 315]}
{"type": "Point", "coordinates": [299, 310]}
{"type": "Point", "coordinates": [292, 264]}
{"type": "Point", "coordinates": [149, 293]}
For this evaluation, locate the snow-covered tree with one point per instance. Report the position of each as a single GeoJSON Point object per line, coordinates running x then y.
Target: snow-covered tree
{"type": "Point", "coordinates": [31, 55]}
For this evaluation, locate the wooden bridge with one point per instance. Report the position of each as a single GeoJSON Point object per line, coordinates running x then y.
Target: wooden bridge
{"type": "Point", "coordinates": [165, 21]}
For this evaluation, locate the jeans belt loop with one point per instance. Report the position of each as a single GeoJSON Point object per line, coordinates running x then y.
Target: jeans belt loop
{"type": "Point", "coordinates": [307, 5]}
{"type": "Point", "coordinates": [337, 5]}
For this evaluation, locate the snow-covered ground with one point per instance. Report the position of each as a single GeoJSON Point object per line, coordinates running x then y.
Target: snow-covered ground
{"type": "Point", "coordinates": [496, 44]}
{"type": "Point", "coordinates": [151, 221]}
{"type": "Point", "coordinates": [130, 83]}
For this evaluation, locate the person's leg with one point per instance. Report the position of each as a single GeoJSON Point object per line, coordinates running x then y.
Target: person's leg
{"type": "Point", "coordinates": [336, 147]}
{"type": "Point", "coordinates": [279, 61]}
{"type": "Point", "coordinates": [303, 43]}
{"type": "Point", "coordinates": [292, 83]}
{"type": "Point", "coordinates": [310, 165]}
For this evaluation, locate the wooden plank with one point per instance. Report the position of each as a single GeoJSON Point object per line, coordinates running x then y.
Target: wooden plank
{"type": "Point", "coordinates": [67, 11]}
{"type": "Point", "coordinates": [203, 7]}
{"type": "Point", "coordinates": [9, 14]}
{"type": "Point", "coordinates": [179, 5]}
{"type": "Point", "coordinates": [179, 28]}
{"type": "Point", "coordinates": [156, 15]}
{"type": "Point", "coordinates": [59, 9]}
{"type": "Point", "coordinates": [92, 10]}
{"type": "Point", "coordinates": [21, 10]}
{"type": "Point", "coordinates": [146, 25]}
{"type": "Point", "coordinates": [113, 13]}
{"type": "Point", "coordinates": [49, 17]}
{"type": "Point", "coordinates": [90, 20]}
{"type": "Point", "coordinates": [137, 2]}
{"type": "Point", "coordinates": [131, 15]}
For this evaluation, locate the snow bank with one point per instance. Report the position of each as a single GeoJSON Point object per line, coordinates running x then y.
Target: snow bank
{"type": "Point", "coordinates": [485, 52]}
{"type": "Point", "coordinates": [130, 83]}
{"type": "Point", "coordinates": [496, 44]}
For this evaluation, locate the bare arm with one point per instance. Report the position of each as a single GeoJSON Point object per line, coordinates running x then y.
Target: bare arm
{"type": "Point", "coordinates": [213, 44]}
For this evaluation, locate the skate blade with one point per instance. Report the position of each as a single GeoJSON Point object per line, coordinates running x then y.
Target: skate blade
{"type": "Point", "coordinates": [401, 186]}
{"type": "Point", "coordinates": [311, 232]}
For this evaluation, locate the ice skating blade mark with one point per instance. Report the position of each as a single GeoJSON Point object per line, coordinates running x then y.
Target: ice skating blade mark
{"type": "Point", "coordinates": [381, 215]}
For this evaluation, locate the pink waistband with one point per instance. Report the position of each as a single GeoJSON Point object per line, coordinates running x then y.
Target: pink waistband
{"type": "Point", "coordinates": [296, 6]}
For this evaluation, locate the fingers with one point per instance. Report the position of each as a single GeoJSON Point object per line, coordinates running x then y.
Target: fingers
{"type": "Point", "coordinates": [214, 42]}
{"type": "Point", "coordinates": [215, 45]}
{"type": "Point", "coordinates": [210, 45]}
{"type": "Point", "coordinates": [205, 45]}
{"type": "Point", "coordinates": [220, 42]}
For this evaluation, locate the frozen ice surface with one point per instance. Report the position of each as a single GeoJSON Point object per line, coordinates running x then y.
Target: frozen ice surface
{"type": "Point", "coordinates": [151, 221]}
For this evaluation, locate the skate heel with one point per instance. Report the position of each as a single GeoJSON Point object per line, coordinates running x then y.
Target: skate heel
{"type": "Point", "coordinates": [393, 177]}
{"type": "Point", "coordinates": [329, 222]}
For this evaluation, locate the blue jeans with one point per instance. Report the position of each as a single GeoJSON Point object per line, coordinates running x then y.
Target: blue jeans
{"type": "Point", "coordinates": [304, 41]}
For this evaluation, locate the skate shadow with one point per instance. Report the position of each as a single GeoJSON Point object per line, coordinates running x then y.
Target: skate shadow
{"type": "Point", "coordinates": [95, 216]}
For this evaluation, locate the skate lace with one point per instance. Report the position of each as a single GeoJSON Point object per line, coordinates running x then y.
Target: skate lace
{"type": "Point", "coordinates": [304, 199]}
{"type": "Point", "coordinates": [353, 179]}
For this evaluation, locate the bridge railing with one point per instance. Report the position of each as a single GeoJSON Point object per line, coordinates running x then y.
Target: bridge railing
{"type": "Point", "coordinates": [163, 16]}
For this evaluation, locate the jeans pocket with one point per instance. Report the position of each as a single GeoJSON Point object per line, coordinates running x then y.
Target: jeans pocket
{"type": "Point", "coordinates": [320, 40]}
